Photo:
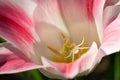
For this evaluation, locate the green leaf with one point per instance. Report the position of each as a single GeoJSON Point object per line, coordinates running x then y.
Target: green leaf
{"type": "Point", "coordinates": [1, 40]}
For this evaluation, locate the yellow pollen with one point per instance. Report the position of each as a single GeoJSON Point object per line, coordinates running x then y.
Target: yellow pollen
{"type": "Point", "coordinates": [70, 51]}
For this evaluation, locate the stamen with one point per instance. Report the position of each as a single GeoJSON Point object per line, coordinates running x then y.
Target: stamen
{"type": "Point", "coordinates": [55, 51]}
{"type": "Point", "coordinates": [84, 48]}
{"type": "Point", "coordinates": [70, 50]}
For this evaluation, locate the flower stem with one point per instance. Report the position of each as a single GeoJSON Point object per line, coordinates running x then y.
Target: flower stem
{"type": "Point", "coordinates": [36, 75]}
{"type": "Point", "coordinates": [23, 76]}
{"type": "Point", "coordinates": [117, 66]}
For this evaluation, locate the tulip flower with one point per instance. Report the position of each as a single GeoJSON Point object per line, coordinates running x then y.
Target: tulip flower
{"type": "Point", "coordinates": [61, 38]}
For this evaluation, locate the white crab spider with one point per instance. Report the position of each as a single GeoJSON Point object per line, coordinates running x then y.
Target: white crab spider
{"type": "Point", "coordinates": [77, 49]}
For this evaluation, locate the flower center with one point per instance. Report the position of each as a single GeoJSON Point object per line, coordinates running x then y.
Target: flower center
{"type": "Point", "coordinates": [70, 51]}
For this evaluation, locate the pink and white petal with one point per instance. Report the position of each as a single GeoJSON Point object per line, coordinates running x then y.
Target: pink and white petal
{"type": "Point", "coordinates": [49, 12]}
{"type": "Point", "coordinates": [111, 2]}
{"type": "Point", "coordinates": [98, 7]}
{"type": "Point", "coordinates": [97, 60]}
{"type": "Point", "coordinates": [118, 2]}
{"type": "Point", "coordinates": [104, 17]}
{"type": "Point", "coordinates": [27, 5]}
{"type": "Point", "coordinates": [78, 17]}
{"type": "Point", "coordinates": [69, 70]}
{"type": "Point", "coordinates": [51, 69]}
{"type": "Point", "coordinates": [10, 47]}
{"type": "Point", "coordinates": [111, 40]}
{"type": "Point", "coordinates": [10, 63]}
{"type": "Point", "coordinates": [49, 36]}
{"type": "Point", "coordinates": [110, 13]}
{"type": "Point", "coordinates": [16, 26]}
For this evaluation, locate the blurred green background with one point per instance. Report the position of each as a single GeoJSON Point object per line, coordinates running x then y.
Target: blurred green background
{"type": "Point", "coordinates": [108, 69]}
